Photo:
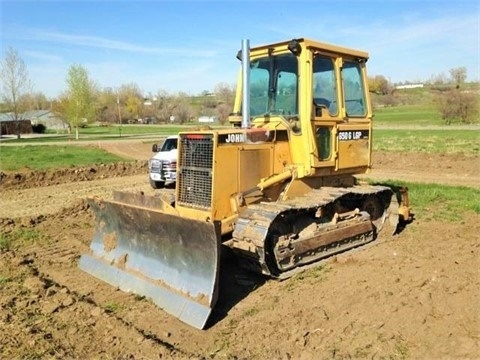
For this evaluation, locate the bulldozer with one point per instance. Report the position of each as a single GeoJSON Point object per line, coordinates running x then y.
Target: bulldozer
{"type": "Point", "coordinates": [277, 188]}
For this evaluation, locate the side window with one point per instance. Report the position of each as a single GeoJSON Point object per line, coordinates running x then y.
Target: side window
{"type": "Point", "coordinates": [324, 84]}
{"type": "Point", "coordinates": [353, 88]}
{"type": "Point", "coordinates": [324, 142]}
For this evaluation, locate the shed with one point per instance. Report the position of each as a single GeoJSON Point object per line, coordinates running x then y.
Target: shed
{"type": "Point", "coordinates": [8, 124]}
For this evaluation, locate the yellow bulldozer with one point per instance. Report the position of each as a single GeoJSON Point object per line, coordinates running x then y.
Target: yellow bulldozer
{"type": "Point", "coordinates": [277, 187]}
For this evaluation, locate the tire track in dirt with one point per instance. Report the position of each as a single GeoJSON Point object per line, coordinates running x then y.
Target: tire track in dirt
{"type": "Point", "coordinates": [50, 199]}
{"type": "Point", "coordinates": [59, 297]}
{"type": "Point", "coordinates": [48, 274]}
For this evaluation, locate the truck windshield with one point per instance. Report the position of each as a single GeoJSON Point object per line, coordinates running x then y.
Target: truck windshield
{"type": "Point", "coordinates": [274, 86]}
{"type": "Point", "coordinates": [169, 144]}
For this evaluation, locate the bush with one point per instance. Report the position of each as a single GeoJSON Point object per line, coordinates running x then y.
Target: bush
{"type": "Point", "coordinates": [457, 105]}
{"type": "Point", "coordinates": [39, 128]}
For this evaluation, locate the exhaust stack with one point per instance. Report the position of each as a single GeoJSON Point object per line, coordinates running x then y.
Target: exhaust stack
{"type": "Point", "coordinates": [245, 83]}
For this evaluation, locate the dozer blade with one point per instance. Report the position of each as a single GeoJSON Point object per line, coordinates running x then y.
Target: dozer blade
{"type": "Point", "coordinates": [170, 259]}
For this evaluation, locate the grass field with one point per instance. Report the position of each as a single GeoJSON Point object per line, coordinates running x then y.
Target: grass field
{"type": "Point", "coordinates": [429, 141]}
{"type": "Point", "coordinates": [13, 158]}
{"type": "Point", "coordinates": [440, 202]}
{"type": "Point", "coordinates": [444, 203]}
{"type": "Point", "coordinates": [417, 115]}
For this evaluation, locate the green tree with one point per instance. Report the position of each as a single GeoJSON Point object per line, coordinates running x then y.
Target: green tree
{"type": "Point", "coordinates": [15, 84]}
{"type": "Point", "coordinates": [130, 101]}
{"type": "Point", "coordinates": [379, 85]}
{"type": "Point", "coordinates": [80, 107]}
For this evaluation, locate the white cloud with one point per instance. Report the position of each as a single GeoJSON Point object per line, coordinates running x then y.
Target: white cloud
{"type": "Point", "coordinates": [104, 43]}
{"type": "Point", "coordinates": [42, 56]}
{"type": "Point", "coordinates": [76, 40]}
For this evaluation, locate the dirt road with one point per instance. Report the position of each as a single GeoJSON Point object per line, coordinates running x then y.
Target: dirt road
{"type": "Point", "coordinates": [410, 296]}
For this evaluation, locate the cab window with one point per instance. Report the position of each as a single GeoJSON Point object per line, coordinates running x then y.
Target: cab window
{"type": "Point", "coordinates": [324, 84]}
{"type": "Point", "coordinates": [274, 86]}
{"type": "Point", "coordinates": [324, 142]}
{"type": "Point", "coordinates": [353, 89]}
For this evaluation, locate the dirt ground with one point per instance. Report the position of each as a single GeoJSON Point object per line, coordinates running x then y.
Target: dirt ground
{"type": "Point", "coordinates": [415, 295]}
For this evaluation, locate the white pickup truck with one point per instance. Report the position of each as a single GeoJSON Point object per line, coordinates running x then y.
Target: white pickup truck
{"type": "Point", "coordinates": [163, 165]}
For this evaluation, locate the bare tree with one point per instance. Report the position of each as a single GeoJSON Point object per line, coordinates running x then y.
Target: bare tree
{"type": "Point", "coordinates": [223, 110]}
{"type": "Point", "coordinates": [225, 93]}
{"type": "Point", "coordinates": [438, 79]}
{"type": "Point", "coordinates": [164, 106]}
{"type": "Point", "coordinates": [15, 84]}
{"type": "Point", "coordinates": [458, 75]}
{"type": "Point", "coordinates": [35, 101]}
{"type": "Point", "coordinates": [181, 107]}
{"type": "Point", "coordinates": [107, 111]}
{"type": "Point", "coordinates": [457, 105]}
{"type": "Point", "coordinates": [79, 107]}
{"type": "Point", "coordinates": [225, 97]}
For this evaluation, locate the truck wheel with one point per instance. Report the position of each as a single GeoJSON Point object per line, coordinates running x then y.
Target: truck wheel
{"type": "Point", "coordinates": [157, 184]}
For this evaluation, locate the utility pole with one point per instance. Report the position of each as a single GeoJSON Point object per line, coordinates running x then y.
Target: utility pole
{"type": "Point", "coordinates": [119, 116]}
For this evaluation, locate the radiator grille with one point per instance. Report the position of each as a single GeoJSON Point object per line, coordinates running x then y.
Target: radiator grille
{"type": "Point", "coordinates": [195, 171]}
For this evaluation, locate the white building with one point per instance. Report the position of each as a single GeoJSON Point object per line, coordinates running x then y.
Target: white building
{"type": "Point", "coordinates": [409, 86]}
{"type": "Point", "coordinates": [207, 119]}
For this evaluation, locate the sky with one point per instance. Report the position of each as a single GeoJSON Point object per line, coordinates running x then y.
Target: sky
{"type": "Point", "coordinates": [191, 45]}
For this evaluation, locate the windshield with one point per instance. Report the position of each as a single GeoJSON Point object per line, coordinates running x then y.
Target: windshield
{"type": "Point", "coordinates": [273, 86]}
{"type": "Point", "coordinates": [169, 144]}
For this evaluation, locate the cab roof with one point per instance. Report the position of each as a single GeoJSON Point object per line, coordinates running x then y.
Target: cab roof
{"type": "Point", "coordinates": [313, 44]}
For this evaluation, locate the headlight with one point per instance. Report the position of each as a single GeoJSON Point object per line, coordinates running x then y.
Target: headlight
{"type": "Point", "coordinates": [154, 162]}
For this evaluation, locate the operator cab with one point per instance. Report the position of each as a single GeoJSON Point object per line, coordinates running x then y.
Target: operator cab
{"type": "Point", "coordinates": [317, 91]}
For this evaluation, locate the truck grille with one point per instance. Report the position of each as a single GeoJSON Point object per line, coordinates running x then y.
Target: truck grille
{"type": "Point", "coordinates": [163, 166]}
{"type": "Point", "coordinates": [195, 171]}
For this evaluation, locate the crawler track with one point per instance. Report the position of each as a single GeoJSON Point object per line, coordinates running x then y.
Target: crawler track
{"type": "Point", "coordinates": [275, 238]}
